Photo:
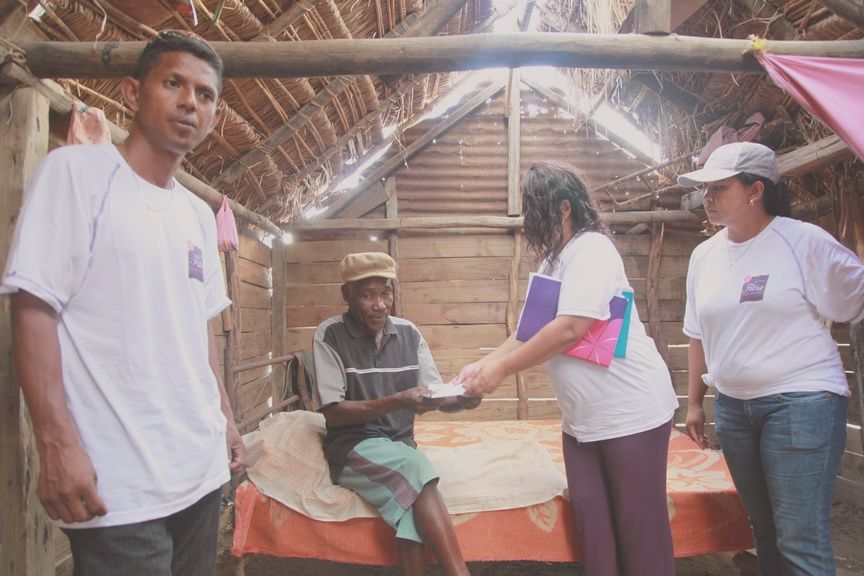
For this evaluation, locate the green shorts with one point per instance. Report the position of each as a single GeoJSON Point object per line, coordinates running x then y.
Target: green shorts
{"type": "Point", "coordinates": [390, 476]}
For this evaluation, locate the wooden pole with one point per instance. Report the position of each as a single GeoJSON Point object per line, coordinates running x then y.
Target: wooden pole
{"type": "Point", "coordinates": [231, 325]}
{"type": "Point", "coordinates": [652, 17]}
{"type": "Point", "coordinates": [61, 103]}
{"type": "Point", "coordinates": [513, 117]}
{"type": "Point", "coordinates": [439, 222]}
{"type": "Point", "coordinates": [392, 212]}
{"type": "Point", "coordinates": [512, 317]}
{"type": "Point", "coordinates": [848, 10]}
{"type": "Point", "coordinates": [440, 54]}
{"type": "Point", "coordinates": [653, 297]}
{"type": "Point", "coordinates": [279, 281]}
{"type": "Point", "coordinates": [26, 533]}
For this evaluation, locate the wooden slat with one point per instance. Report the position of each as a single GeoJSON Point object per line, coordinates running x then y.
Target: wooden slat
{"type": "Point", "coordinates": [254, 319]}
{"type": "Point", "coordinates": [253, 273]}
{"type": "Point", "coordinates": [468, 337]}
{"type": "Point", "coordinates": [313, 295]}
{"type": "Point", "coordinates": [253, 249]}
{"type": "Point", "coordinates": [430, 269]}
{"type": "Point", "coordinates": [453, 291]}
{"type": "Point", "coordinates": [456, 246]}
{"type": "Point", "coordinates": [300, 316]}
{"type": "Point", "coordinates": [298, 338]}
{"type": "Point", "coordinates": [329, 250]}
{"type": "Point", "coordinates": [455, 313]}
{"type": "Point", "coordinates": [254, 297]}
{"type": "Point", "coordinates": [639, 244]}
{"type": "Point", "coordinates": [254, 344]}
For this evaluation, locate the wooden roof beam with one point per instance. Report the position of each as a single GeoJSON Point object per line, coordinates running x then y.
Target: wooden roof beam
{"type": "Point", "coordinates": [848, 10]}
{"type": "Point", "coordinates": [393, 163]}
{"type": "Point", "coordinates": [440, 54]}
{"type": "Point", "coordinates": [503, 222]}
{"type": "Point", "coordinates": [803, 160]}
{"type": "Point", "coordinates": [428, 21]}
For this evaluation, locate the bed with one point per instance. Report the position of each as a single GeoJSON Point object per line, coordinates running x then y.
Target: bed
{"type": "Point", "coordinates": [705, 511]}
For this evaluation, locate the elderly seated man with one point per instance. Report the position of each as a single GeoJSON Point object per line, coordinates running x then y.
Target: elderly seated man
{"type": "Point", "coordinates": [373, 375]}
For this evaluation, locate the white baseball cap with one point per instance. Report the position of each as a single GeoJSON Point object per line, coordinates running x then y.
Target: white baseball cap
{"type": "Point", "coordinates": [733, 159]}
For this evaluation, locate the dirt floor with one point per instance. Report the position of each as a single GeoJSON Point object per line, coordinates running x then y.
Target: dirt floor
{"type": "Point", "coordinates": [847, 520]}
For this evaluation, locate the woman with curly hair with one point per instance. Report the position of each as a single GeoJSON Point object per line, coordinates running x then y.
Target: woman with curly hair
{"type": "Point", "coordinates": [616, 420]}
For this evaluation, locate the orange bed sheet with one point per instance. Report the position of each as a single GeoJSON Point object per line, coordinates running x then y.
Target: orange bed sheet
{"type": "Point", "coordinates": [705, 510]}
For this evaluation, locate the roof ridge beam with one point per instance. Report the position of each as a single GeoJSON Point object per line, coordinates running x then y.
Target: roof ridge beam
{"type": "Point", "coordinates": [393, 56]}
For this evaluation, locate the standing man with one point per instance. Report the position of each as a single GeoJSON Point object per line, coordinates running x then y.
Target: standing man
{"type": "Point", "coordinates": [373, 372]}
{"type": "Point", "coordinates": [115, 274]}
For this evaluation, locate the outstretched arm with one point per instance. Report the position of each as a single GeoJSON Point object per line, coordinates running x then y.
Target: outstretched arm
{"type": "Point", "coordinates": [551, 340]}
{"type": "Point", "coordinates": [67, 480]}
{"type": "Point", "coordinates": [350, 412]}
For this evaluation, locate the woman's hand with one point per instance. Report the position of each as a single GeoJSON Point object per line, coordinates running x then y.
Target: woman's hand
{"type": "Point", "coordinates": [482, 378]}
{"type": "Point", "coordinates": [695, 423]}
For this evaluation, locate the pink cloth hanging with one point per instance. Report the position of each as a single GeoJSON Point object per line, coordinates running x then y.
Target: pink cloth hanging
{"type": "Point", "coordinates": [828, 88]}
{"type": "Point", "coordinates": [87, 125]}
{"type": "Point", "coordinates": [226, 228]}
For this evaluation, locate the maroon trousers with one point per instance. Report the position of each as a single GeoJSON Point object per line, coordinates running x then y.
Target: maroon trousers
{"type": "Point", "coordinates": [618, 492]}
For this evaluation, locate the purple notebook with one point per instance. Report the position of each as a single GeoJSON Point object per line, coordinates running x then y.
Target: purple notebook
{"type": "Point", "coordinates": [541, 305]}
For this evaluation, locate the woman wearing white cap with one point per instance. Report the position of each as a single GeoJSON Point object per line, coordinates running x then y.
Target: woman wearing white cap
{"type": "Point", "coordinates": [759, 293]}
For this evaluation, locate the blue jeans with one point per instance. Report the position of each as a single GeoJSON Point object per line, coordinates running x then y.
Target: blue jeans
{"type": "Point", "coordinates": [783, 452]}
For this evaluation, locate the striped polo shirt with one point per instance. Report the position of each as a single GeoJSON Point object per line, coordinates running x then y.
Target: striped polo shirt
{"type": "Point", "coordinates": [349, 366]}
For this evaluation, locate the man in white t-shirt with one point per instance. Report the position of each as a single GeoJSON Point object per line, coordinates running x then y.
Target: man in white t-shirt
{"type": "Point", "coordinates": [115, 275]}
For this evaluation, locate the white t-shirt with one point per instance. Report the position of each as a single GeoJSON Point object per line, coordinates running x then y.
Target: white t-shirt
{"type": "Point", "coordinates": [134, 274]}
{"type": "Point", "coordinates": [633, 394]}
{"type": "Point", "coordinates": [760, 306]}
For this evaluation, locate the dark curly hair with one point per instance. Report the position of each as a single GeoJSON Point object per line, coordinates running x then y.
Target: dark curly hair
{"type": "Point", "coordinates": [544, 186]}
{"type": "Point", "coordinates": [177, 41]}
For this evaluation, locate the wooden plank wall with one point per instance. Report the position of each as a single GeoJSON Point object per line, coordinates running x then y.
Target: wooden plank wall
{"type": "Point", "coordinates": [254, 267]}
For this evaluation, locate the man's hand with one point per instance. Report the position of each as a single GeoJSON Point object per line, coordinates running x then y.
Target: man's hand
{"type": "Point", "coordinates": [236, 448]}
{"type": "Point", "coordinates": [457, 403]}
{"type": "Point", "coordinates": [695, 423]}
{"type": "Point", "coordinates": [418, 400]}
{"type": "Point", "coordinates": [67, 483]}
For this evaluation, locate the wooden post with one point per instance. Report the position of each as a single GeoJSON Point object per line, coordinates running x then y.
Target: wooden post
{"type": "Point", "coordinates": [392, 211]}
{"type": "Point", "coordinates": [279, 280]}
{"type": "Point", "coordinates": [855, 241]}
{"type": "Point", "coordinates": [653, 296]}
{"type": "Point", "coordinates": [231, 326]}
{"type": "Point", "coordinates": [512, 316]}
{"type": "Point", "coordinates": [514, 134]}
{"type": "Point", "coordinates": [26, 533]}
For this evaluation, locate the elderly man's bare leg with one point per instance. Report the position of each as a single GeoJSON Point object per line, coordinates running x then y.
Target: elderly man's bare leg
{"type": "Point", "coordinates": [412, 559]}
{"type": "Point", "coordinates": [437, 530]}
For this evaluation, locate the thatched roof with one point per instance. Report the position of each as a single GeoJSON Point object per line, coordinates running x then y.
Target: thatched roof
{"type": "Point", "coordinates": [679, 110]}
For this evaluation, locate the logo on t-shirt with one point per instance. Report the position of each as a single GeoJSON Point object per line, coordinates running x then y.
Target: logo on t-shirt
{"type": "Point", "coordinates": [754, 288]}
{"type": "Point", "coordinates": [196, 262]}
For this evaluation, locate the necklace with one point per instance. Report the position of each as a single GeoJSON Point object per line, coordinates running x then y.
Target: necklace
{"type": "Point", "coordinates": [746, 248]}
{"type": "Point", "coordinates": [141, 191]}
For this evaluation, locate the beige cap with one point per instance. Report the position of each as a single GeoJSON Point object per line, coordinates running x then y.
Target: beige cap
{"type": "Point", "coordinates": [367, 265]}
